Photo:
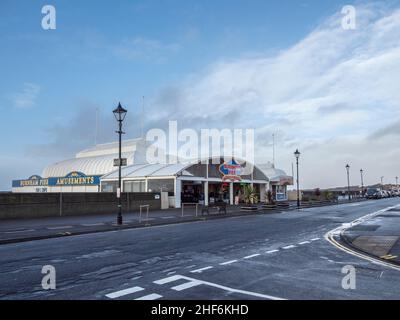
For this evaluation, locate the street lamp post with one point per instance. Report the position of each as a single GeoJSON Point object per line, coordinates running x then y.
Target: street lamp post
{"type": "Point", "coordinates": [297, 155]}
{"type": "Point", "coordinates": [397, 182]}
{"type": "Point", "coordinates": [362, 181]}
{"type": "Point", "coordinates": [382, 181]}
{"type": "Point", "coordinates": [348, 181]}
{"type": "Point", "coordinates": [119, 114]}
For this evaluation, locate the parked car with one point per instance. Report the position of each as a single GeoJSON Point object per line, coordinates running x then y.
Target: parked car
{"type": "Point", "coordinates": [373, 193]}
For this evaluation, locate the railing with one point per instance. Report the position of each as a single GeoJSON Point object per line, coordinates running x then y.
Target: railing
{"type": "Point", "coordinates": [192, 205]}
{"type": "Point", "coordinates": [147, 206]}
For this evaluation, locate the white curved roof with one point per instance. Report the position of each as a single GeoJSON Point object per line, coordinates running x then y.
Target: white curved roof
{"type": "Point", "coordinates": [89, 166]}
{"type": "Point", "coordinates": [271, 172]}
{"type": "Point", "coordinates": [148, 170]}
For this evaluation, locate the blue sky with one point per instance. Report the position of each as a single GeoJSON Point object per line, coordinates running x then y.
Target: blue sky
{"type": "Point", "coordinates": [103, 52]}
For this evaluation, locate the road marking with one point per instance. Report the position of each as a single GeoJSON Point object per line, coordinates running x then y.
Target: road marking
{"type": "Point", "coordinates": [169, 270]}
{"type": "Point", "coordinates": [167, 280]}
{"type": "Point", "coordinates": [57, 228]}
{"type": "Point", "coordinates": [152, 296]}
{"type": "Point", "coordinates": [19, 231]}
{"type": "Point", "coordinates": [252, 256]}
{"type": "Point", "coordinates": [190, 267]}
{"type": "Point", "coordinates": [210, 284]}
{"type": "Point", "coordinates": [187, 285]}
{"type": "Point", "coordinates": [201, 270]}
{"type": "Point", "coordinates": [227, 262]}
{"type": "Point", "coordinates": [272, 251]}
{"type": "Point", "coordinates": [93, 224]}
{"type": "Point", "coordinates": [304, 242]}
{"type": "Point", "coordinates": [315, 239]}
{"type": "Point", "coordinates": [172, 272]}
{"type": "Point", "coordinates": [330, 237]}
{"type": "Point", "coordinates": [124, 292]}
{"type": "Point", "coordinates": [289, 247]}
{"type": "Point", "coordinates": [167, 217]}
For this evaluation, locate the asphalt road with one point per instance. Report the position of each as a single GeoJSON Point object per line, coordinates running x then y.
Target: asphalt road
{"type": "Point", "coordinates": [268, 256]}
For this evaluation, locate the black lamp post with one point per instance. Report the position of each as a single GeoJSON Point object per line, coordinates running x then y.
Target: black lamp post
{"type": "Point", "coordinates": [362, 181]}
{"type": "Point", "coordinates": [348, 181]}
{"type": "Point", "coordinates": [297, 155]}
{"type": "Point", "coordinates": [119, 114]}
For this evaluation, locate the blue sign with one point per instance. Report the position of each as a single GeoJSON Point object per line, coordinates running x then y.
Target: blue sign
{"type": "Point", "coordinates": [72, 179]}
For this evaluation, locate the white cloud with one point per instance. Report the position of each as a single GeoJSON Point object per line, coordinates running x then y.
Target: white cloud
{"type": "Point", "coordinates": [27, 97]}
{"type": "Point", "coordinates": [325, 95]}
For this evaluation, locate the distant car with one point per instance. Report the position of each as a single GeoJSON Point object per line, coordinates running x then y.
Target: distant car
{"type": "Point", "coordinates": [373, 193]}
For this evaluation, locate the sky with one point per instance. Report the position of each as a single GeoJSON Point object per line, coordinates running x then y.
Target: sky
{"type": "Point", "coordinates": [281, 67]}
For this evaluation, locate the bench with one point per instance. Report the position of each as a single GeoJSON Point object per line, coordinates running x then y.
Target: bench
{"type": "Point", "coordinates": [221, 206]}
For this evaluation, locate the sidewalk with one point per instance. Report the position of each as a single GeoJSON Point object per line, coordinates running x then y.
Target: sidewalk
{"type": "Point", "coordinates": [21, 230]}
{"type": "Point", "coordinates": [378, 237]}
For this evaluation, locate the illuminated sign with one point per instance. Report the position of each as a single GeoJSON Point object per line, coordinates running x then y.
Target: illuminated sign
{"type": "Point", "coordinates": [231, 171]}
{"type": "Point", "coordinates": [72, 179]}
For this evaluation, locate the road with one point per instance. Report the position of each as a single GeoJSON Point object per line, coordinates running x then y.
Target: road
{"type": "Point", "coordinates": [270, 256]}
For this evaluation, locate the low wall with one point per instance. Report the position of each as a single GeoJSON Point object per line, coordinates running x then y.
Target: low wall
{"type": "Point", "coordinates": [36, 205]}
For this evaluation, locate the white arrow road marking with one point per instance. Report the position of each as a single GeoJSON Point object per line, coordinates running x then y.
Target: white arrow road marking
{"type": "Point", "coordinates": [124, 292]}
{"type": "Point", "coordinates": [195, 282]}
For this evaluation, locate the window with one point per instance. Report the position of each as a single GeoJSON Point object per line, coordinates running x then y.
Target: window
{"type": "Point", "coordinates": [158, 185]}
{"type": "Point", "coordinates": [109, 186]}
{"type": "Point", "coordinates": [135, 186]}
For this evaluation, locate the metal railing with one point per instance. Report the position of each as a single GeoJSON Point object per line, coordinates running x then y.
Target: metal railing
{"type": "Point", "coordinates": [192, 205]}
{"type": "Point", "coordinates": [147, 206]}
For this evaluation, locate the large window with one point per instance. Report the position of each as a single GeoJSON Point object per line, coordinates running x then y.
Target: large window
{"type": "Point", "coordinates": [135, 186]}
{"type": "Point", "coordinates": [158, 185]}
{"type": "Point", "coordinates": [109, 186]}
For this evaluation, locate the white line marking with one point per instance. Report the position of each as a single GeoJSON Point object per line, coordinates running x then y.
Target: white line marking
{"type": "Point", "coordinates": [228, 262]}
{"type": "Point", "coordinates": [289, 247]}
{"type": "Point", "coordinates": [272, 251]}
{"type": "Point", "coordinates": [152, 296]}
{"type": "Point", "coordinates": [315, 239]}
{"type": "Point", "coordinates": [57, 228]}
{"type": "Point", "coordinates": [187, 285]}
{"type": "Point", "coordinates": [249, 293]}
{"type": "Point", "coordinates": [252, 256]}
{"type": "Point", "coordinates": [172, 272]}
{"type": "Point", "coordinates": [201, 270]}
{"type": "Point", "coordinates": [92, 224]}
{"type": "Point", "coordinates": [125, 292]}
{"type": "Point", "coordinates": [304, 242]}
{"type": "Point", "coordinates": [167, 217]}
{"type": "Point", "coordinates": [167, 280]}
{"type": "Point", "coordinates": [19, 231]}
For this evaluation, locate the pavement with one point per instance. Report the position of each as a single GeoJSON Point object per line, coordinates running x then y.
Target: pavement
{"type": "Point", "coordinates": [378, 236]}
{"type": "Point", "coordinates": [258, 256]}
{"type": "Point", "coordinates": [21, 230]}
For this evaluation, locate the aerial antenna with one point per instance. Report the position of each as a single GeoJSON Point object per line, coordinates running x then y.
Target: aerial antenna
{"type": "Point", "coordinates": [142, 120]}
{"type": "Point", "coordinates": [97, 126]}
{"type": "Point", "coordinates": [273, 149]}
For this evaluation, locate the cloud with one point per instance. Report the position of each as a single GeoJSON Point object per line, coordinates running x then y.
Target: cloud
{"type": "Point", "coordinates": [144, 49]}
{"type": "Point", "coordinates": [332, 88]}
{"type": "Point", "coordinates": [27, 97]}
